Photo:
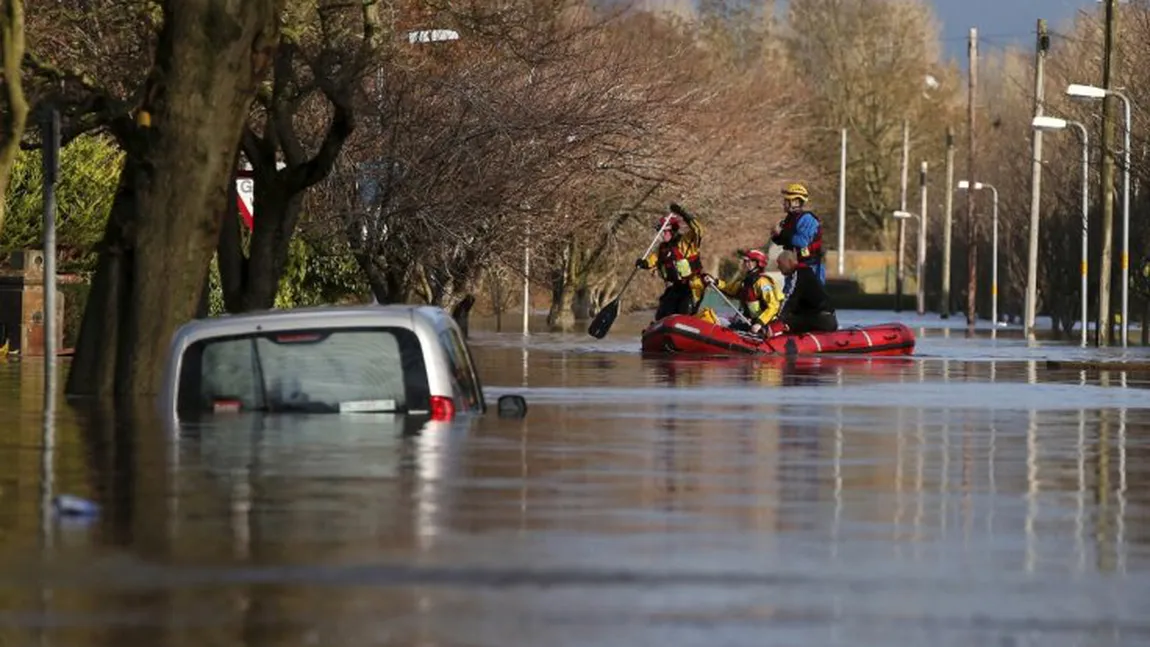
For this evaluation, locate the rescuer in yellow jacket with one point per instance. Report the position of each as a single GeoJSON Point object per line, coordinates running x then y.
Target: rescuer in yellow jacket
{"type": "Point", "coordinates": [678, 261]}
{"type": "Point", "coordinates": [759, 297]}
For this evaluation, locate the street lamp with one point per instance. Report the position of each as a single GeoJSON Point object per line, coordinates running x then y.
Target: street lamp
{"type": "Point", "coordinates": [842, 200]}
{"type": "Point", "coordinates": [842, 207]}
{"type": "Point", "coordinates": [920, 267]}
{"type": "Point", "coordinates": [929, 82]}
{"type": "Point", "coordinates": [978, 186]}
{"type": "Point", "coordinates": [1054, 123]}
{"type": "Point", "coordinates": [1091, 92]}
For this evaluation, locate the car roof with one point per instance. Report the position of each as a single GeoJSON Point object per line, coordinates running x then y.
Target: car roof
{"type": "Point", "coordinates": [401, 315]}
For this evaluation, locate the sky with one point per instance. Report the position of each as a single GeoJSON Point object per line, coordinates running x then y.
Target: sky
{"type": "Point", "coordinates": [1001, 22]}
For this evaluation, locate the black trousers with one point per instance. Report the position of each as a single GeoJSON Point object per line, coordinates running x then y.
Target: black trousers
{"type": "Point", "coordinates": [801, 322]}
{"type": "Point", "coordinates": [676, 300]}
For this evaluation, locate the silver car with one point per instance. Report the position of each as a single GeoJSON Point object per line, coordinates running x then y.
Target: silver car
{"type": "Point", "coordinates": [399, 359]}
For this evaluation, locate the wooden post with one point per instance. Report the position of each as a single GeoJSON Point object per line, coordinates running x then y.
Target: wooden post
{"type": "Point", "coordinates": [944, 306]}
{"type": "Point", "coordinates": [1035, 179]}
{"type": "Point", "coordinates": [1103, 333]}
{"type": "Point", "coordinates": [971, 233]}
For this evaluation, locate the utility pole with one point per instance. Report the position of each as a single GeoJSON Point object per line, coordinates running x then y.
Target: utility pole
{"type": "Point", "coordinates": [902, 222]}
{"type": "Point", "coordinates": [842, 200]}
{"type": "Point", "coordinates": [1042, 44]}
{"type": "Point", "coordinates": [1107, 191]}
{"type": "Point", "coordinates": [920, 275]}
{"type": "Point", "coordinates": [971, 238]}
{"type": "Point", "coordinates": [944, 307]}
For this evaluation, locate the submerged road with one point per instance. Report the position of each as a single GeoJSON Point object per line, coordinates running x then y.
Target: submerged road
{"type": "Point", "coordinates": [969, 495]}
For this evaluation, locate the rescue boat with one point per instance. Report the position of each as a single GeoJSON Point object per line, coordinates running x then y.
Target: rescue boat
{"type": "Point", "coordinates": [691, 335]}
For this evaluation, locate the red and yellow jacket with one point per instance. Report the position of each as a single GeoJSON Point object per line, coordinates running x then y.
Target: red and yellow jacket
{"type": "Point", "coordinates": [758, 295]}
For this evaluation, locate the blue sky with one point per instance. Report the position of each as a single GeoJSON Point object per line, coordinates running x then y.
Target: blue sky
{"type": "Point", "coordinates": [1001, 22]}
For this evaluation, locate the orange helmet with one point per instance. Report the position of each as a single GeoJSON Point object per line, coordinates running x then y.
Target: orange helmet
{"type": "Point", "coordinates": [757, 256]}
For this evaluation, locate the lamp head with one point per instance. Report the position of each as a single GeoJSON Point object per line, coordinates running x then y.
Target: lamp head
{"type": "Point", "coordinates": [1080, 91]}
{"type": "Point", "coordinates": [1048, 123]}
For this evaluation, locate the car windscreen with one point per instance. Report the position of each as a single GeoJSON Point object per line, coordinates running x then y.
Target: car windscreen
{"type": "Point", "coordinates": [309, 370]}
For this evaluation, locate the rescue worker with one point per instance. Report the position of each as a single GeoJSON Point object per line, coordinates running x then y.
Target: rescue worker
{"type": "Point", "coordinates": [801, 232]}
{"type": "Point", "coordinates": [678, 262]}
{"type": "Point", "coordinates": [758, 296]}
{"type": "Point", "coordinates": [807, 308]}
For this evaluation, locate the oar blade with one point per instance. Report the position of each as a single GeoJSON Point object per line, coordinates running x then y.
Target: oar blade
{"type": "Point", "coordinates": [602, 322]}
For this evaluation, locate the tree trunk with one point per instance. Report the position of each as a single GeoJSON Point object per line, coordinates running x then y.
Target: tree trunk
{"type": "Point", "coordinates": [278, 207]}
{"type": "Point", "coordinates": [584, 304]}
{"type": "Point", "coordinates": [278, 195]}
{"type": "Point", "coordinates": [16, 115]}
{"type": "Point", "coordinates": [210, 56]}
{"type": "Point", "coordinates": [388, 284]}
{"type": "Point", "coordinates": [461, 313]}
{"type": "Point", "coordinates": [93, 371]}
{"type": "Point", "coordinates": [493, 281]}
{"type": "Point", "coordinates": [561, 315]}
{"type": "Point", "coordinates": [1145, 336]}
{"type": "Point", "coordinates": [251, 281]}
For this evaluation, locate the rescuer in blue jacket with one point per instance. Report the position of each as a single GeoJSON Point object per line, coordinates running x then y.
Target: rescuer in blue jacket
{"type": "Point", "coordinates": [801, 232]}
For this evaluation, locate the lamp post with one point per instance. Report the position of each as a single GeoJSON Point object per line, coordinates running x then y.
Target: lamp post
{"type": "Point", "coordinates": [920, 267]}
{"type": "Point", "coordinates": [978, 186]}
{"type": "Point", "coordinates": [842, 200]}
{"type": "Point", "coordinates": [842, 206]}
{"type": "Point", "coordinates": [1053, 123]}
{"type": "Point", "coordinates": [920, 271]}
{"type": "Point", "coordinates": [1092, 92]}
{"type": "Point", "coordinates": [930, 82]}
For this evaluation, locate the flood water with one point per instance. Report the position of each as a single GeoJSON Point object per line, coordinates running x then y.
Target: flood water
{"type": "Point", "coordinates": [964, 496]}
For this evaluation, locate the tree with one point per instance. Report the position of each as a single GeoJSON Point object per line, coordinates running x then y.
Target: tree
{"type": "Point", "coordinates": [471, 143]}
{"type": "Point", "coordinates": [15, 103]}
{"type": "Point", "coordinates": [179, 160]}
{"type": "Point", "coordinates": [862, 65]}
{"type": "Point", "coordinates": [318, 68]}
{"type": "Point", "coordinates": [717, 137]}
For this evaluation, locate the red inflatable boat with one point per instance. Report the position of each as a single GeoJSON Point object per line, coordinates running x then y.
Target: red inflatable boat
{"type": "Point", "coordinates": [691, 335]}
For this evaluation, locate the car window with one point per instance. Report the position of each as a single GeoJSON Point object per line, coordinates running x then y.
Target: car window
{"type": "Point", "coordinates": [314, 370]}
{"type": "Point", "coordinates": [462, 369]}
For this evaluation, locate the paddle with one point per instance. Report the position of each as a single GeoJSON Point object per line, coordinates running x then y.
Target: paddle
{"type": "Point", "coordinates": [602, 322]}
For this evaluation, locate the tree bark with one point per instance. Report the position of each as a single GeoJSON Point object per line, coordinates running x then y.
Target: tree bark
{"type": "Point", "coordinates": [93, 371]}
{"type": "Point", "coordinates": [278, 193]}
{"type": "Point", "coordinates": [253, 280]}
{"type": "Point", "coordinates": [16, 116]}
{"type": "Point", "coordinates": [211, 54]}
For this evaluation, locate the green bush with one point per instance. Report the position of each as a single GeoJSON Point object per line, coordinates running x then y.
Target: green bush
{"type": "Point", "coordinates": [89, 174]}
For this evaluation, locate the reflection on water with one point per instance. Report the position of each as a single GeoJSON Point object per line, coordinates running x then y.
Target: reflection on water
{"type": "Point", "coordinates": [804, 501]}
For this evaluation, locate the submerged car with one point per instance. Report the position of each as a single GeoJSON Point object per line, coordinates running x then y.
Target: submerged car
{"type": "Point", "coordinates": [396, 359]}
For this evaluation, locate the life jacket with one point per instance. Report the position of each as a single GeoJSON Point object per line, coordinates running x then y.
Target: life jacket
{"type": "Point", "coordinates": [812, 253]}
{"type": "Point", "coordinates": [750, 296]}
{"type": "Point", "coordinates": [677, 267]}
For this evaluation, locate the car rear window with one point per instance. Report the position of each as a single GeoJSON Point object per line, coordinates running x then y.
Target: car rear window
{"type": "Point", "coordinates": [312, 370]}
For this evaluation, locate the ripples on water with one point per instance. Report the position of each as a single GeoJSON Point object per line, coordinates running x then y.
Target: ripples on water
{"type": "Point", "coordinates": [968, 496]}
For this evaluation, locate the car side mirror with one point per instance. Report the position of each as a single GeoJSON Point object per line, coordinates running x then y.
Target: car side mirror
{"type": "Point", "coordinates": [512, 406]}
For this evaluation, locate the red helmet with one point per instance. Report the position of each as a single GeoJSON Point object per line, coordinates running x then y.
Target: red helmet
{"type": "Point", "coordinates": [757, 256]}
{"type": "Point", "coordinates": [670, 220]}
